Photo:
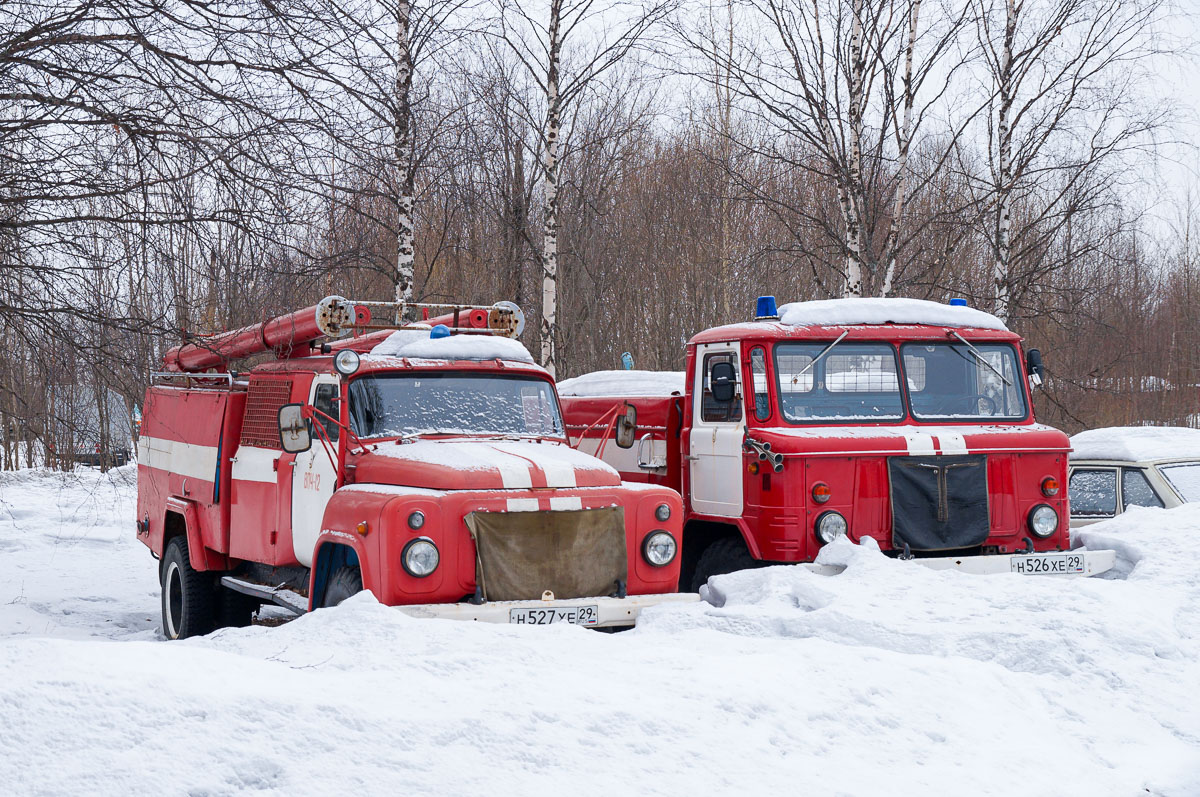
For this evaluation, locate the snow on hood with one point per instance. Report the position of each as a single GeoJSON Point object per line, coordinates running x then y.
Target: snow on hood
{"type": "Point", "coordinates": [624, 383]}
{"type": "Point", "coordinates": [484, 464]}
{"type": "Point", "coordinates": [1137, 443]}
{"type": "Point", "coordinates": [850, 312]}
{"type": "Point", "coordinates": [416, 344]}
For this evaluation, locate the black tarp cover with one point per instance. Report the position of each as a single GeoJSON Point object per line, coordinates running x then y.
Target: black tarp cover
{"type": "Point", "coordinates": [939, 503]}
{"type": "Point", "coordinates": [574, 554]}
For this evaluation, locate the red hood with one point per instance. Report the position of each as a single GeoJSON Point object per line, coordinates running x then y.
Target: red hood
{"type": "Point", "coordinates": [914, 440]}
{"type": "Point", "coordinates": [483, 465]}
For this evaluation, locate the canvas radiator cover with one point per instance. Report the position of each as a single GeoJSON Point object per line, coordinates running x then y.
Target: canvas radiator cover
{"type": "Point", "coordinates": [574, 554]}
{"type": "Point", "coordinates": [939, 503]}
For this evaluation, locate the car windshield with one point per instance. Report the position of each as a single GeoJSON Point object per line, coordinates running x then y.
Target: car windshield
{"type": "Point", "coordinates": [1185, 479]}
{"type": "Point", "coordinates": [392, 405]}
{"type": "Point", "coordinates": [954, 380]}
{"type": "Point", "coordinates": [851, 382]}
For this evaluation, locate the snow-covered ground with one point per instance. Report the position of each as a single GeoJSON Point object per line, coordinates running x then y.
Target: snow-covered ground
{"type": "Point", "coordinates": [887, 679]}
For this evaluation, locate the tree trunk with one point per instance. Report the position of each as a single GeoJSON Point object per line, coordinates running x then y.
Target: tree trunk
{"type": "Point", "coordinates": [904, 141]}
{"type": "Point", "coordinates": [549, 326]}
{"type": "Point", "coordinates": [1003, 245]}
{"type": "Point", "coordinates": [405, 260]}
{"type": "Point", "coordinates": [851, 199]}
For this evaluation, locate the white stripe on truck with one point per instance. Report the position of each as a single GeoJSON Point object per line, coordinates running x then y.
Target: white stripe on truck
{"type": "Point", "coordinates": [187, 459]}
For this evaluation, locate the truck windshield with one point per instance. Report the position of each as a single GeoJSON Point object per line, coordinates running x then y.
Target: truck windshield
{"type": "Point", "coordinates": [953, 380]}
{"type": "Point", "coordinates": [852, 382]}
{"type": "Point", "coordinates": [391, 405]}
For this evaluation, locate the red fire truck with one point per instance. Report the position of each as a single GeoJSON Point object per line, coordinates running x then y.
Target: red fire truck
{"type": "Point", "coordinates": [905, 421]}
{"type": "Point", "coordinates": [428, 464]}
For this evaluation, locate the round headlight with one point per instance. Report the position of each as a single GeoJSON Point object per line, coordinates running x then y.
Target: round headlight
{"type": "Point", "coordinates": [416, 520]}
{"type": "Point", "coordinates": [830, 526]}
{"type": "Point", "coordinates": [346, 362]}
{"type": "Point", "coordinates": [659, 548]}
{"type": "Point", "coordinates": [1043, 520]}
{"type": "Point", "coordinates": [663, 513]}
{"type": "Point", "coordinates": [420, 557]}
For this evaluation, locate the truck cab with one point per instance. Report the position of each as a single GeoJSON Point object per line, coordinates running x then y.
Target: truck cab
{"type": "Point", "coordinates": [910, 423]}
{"type": "Point", "coordinates": [431, 469]}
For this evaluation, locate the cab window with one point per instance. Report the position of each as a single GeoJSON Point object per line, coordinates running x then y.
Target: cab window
{"type": "Point", "coordinates": [1136, 489]}
{"type": "Point", "coordinates": [758, 370]}
{"type": "Point", "coordinates": [712, 411]}
{"type": "Point", "coordinates": [325, 400]}
{"type": "Point", "coordinates": [1093, 492]}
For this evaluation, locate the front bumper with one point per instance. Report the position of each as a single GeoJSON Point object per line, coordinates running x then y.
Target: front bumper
{"type": "Point", "coordinates": [1094, 563]}
{"type": "Point", "coordinates": [611, 612]}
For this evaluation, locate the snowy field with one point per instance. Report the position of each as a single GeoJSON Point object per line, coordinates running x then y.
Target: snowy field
{"type": "Point", "coordinates": [886, 680]}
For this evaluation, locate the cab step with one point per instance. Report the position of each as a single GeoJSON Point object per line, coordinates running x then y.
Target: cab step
{"type": "Point", "coordinates": [280, 596]}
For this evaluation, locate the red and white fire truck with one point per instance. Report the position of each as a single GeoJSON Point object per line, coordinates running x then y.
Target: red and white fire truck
{"type": "Point", "coordinates": [428, 464]}
{"type": "Point", "coordinates": [905, 421]}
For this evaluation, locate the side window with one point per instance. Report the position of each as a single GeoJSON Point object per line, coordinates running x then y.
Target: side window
{"type": "Point", "coordinates": [758, 370]}
{"type": "Point", "coordinates": [1136, 489]}
{"type": "Point", "coordinates": [324, 400]}
{"type": "Point", "coordinates": [1093, 493]}
{"type": "Point", "coordinates": [712, 411]}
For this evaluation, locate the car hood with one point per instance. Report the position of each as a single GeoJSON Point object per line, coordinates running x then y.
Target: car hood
{"type": "Point", "coordinates": [483, 465]}
{"type": "Point", "coordinates": [914, 440]}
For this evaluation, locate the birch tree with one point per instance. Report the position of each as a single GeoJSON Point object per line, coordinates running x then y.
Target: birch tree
{"type": "Point", "coordinates": [1066, 106]}
{"type": "Point", "coordinates": [566, 46]}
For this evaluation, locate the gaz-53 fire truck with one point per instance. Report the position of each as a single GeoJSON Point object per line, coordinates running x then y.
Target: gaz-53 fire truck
{"type": "Point", "coordinates": [905, 421]}
{"type": "Point", "coordinates": [426, 462]}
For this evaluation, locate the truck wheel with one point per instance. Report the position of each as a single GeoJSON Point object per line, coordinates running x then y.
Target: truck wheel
{"type": "Point", "coordinates": [236, 610]}
{"type": "Point", "coordinates": [188, 597]}
{"type": "Point", "coordinates": [723, 556]}
{"type": "Point", "coordinates": [346, 581]}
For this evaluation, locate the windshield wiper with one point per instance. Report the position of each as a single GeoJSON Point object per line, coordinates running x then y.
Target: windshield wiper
{"type": "Point", "coordinates": [817, 359]}
{"type": "Point", "coordinates": [981, 358]}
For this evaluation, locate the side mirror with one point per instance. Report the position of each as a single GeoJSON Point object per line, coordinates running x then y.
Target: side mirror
{"type": "Point", "coordinates": [627, 427]}
{"type": "Point", "coordinates": [1034, 367]}
{"type": "Point", "coordinates": [294, 434]}
{"type": "Point", "coordinates": [722, 380]}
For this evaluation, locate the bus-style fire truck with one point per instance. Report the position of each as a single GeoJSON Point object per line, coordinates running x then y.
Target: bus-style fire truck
{"type": "Point", "coordinates": [427, 463]}
{"type": "Point", "coordinates": [905, 421]}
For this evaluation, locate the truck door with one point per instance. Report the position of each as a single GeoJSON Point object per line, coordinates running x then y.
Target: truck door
{"type": "Point", "coordinates": [314, 476]}
{"type": "Point", "coordinates": [715, 441]}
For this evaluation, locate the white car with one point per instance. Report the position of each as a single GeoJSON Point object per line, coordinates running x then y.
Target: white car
{"type": "Point", "coordinates": [1123, 466]}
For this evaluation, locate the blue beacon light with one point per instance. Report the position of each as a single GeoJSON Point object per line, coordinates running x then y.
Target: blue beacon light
{"type": "Point", "coordinates": [765, 308]}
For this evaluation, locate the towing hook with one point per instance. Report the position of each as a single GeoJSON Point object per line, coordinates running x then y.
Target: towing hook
{"type": "Point", "coordinates": [620, 591]}
{"type": "Point", "coordinates": [907, 555]}
{"type": "Point", "coordinates": [1028, 546]}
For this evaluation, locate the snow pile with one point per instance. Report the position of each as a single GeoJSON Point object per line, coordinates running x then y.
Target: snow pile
{"type": "Point", "coordinates": [886, 679]}
{"type": "Point", "coordinates": [415, 344]}
{"type": "Point", "coordinates": [1137, 443]}
{"type": "Point", "coordinates": [625, 384]}
{"type": "Point", "coordinates": [850, 312]}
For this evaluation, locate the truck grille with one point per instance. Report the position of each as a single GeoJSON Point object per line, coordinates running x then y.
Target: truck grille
{"type": "Point", "coordinates": [939, 503]}
{"type": "Point", "coordinates": [574, 554]}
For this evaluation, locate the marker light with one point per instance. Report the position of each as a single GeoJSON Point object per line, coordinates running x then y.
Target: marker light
{"type": "Point", "coordinates": [663, 513]}
{"type": "Point", "coordinates": [821, 492]}
{"type": "Point", "coordinates": [419, 557]}
{"type": "Point", "coordinates": [439, 331]}
{"type": "Point", "coordinates": [1049, 486]}
{"type": "Point", "coordinates": [363, 527]}
{"type": "Point", "coordinates": [416, 520]}
{"type": "Point", "coordinates": [346, 362]}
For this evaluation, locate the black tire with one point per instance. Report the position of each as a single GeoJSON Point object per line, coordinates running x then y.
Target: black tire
{"type": "Point", "coordinates": [345, 582]}
{"type": "Point", "coordinates": [236, 610]}
{"type": "Point", "coordinates": [189, 600]}
{"type": "Point", "coordinates": [725, 555]}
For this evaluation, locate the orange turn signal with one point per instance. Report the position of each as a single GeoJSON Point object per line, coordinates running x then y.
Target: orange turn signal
{"type": "Point", "coordinates": [753, 468]}
{"type": "Point", "coordinates": [1049, 486]}
{"type": "Point", "coordinates": [363, 527]}
{"type": "Point", "coordinates": [821, 492]}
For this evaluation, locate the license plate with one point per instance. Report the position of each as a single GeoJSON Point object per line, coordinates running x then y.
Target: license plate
{"type": "Point", "coordinates": [1047, 564]}
{"type": "Point", "coordinates": [579, 615]}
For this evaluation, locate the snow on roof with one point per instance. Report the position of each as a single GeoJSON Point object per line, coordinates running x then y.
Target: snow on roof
{"type": "Point", "coordinates": [850, 312]}
{"type": "Point", "coordinates": [416, 344]}
{"type": "Point", "coordinates": [1137, 443]}
{"type": "Point", "coordinates": [624, 383]}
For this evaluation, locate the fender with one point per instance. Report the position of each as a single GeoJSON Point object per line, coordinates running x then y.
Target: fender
{"type": "Point", "coordinates": [739, 523]}
{"type": "Point", "coordinates": [202, 558]}
{"type": "Point", "coordinates": [334, 549]}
